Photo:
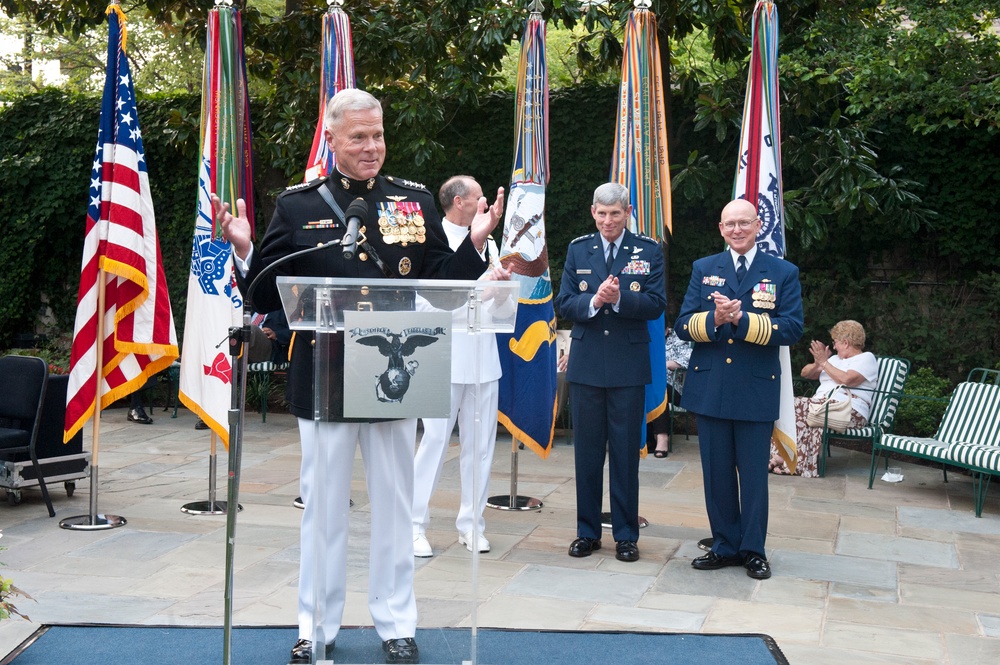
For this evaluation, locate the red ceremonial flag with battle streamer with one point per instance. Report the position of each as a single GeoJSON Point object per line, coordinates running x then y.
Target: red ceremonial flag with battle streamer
{"type": "Point", "coordinates": [124, 331]}
{"type": "Point", "coordinates": [528, 385]}
{"type": "Point", "coordinates": [225, 169]}
{"type": "Point", "coordinates": [337, 73]}
{"type": "Point", "coordinates": [640, 163]}
{"type": "Point", "coordinates": [758, 180]}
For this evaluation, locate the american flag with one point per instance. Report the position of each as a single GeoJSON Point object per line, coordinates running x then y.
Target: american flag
{"type": "Point", "coordinates": [121, 250]}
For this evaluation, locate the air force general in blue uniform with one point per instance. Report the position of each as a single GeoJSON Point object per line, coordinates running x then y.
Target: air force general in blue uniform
{"type": "Point", "coordinates": [741, 306]}
{"type": "Point", "coordinates": [608, 369]}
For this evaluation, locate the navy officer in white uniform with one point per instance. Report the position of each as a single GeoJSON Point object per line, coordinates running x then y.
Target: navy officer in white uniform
{"type": "Point", "coordinates": [404, 240]}
{"type": "Point", "coordinates": [460, 198]}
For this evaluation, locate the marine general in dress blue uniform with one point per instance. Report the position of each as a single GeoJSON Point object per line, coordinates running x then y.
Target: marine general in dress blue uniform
{"type": "Point", "coordinates": [609, 305]}
{"type": "Point", "coordinates": [404, 240]}
{"type": "Point", "coordinates": [741, 306]}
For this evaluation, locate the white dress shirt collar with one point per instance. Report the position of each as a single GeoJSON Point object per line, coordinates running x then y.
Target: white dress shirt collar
{"type": "Point", "coordinates": [751, 253]}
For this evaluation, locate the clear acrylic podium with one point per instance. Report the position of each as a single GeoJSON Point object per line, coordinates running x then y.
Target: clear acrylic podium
{"type": "Point", "coordinates": [319, 306]}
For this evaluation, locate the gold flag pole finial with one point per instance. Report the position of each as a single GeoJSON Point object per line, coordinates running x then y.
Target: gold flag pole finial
{"type": "Point", "coordinates": [335, 5]}
{"type": "Point", "coordinates": [223, 3]}
{"type": "Point", "coordinates": [536, 6]}
{"type": "Point", "coordinates": [114, 8]}
{"type": "Point", "coordinates": [642, 4]}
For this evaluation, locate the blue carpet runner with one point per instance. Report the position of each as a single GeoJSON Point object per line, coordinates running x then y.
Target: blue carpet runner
{"type": "Point", "coordinates": [173, 645]}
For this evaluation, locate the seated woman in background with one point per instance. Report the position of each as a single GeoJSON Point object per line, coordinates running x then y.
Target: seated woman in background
{"type": "Point", "coordinates": [853, 367]}
{"type": "Point", "coordinates": [678, 353]}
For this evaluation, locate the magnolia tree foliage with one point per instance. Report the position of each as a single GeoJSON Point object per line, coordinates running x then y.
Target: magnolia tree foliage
{"type": "Point", "coordinates": [845, 66]}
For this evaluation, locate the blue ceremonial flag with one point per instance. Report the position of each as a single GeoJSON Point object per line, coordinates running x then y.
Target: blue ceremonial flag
{"type": "Point", "coordinates": [640, 163]}
{"type": "Point", "coordinates": [758, 180]}
{"type": "Point", "coordinates": [528, 386]}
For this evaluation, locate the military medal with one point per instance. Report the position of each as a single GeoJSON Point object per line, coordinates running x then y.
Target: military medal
{"type": "Point", "coordinates": [583, 285]}
{"type": "Point", "coordinates": [401, 221]}
{"type": "Point", "coordinates": [404, 266]}
{"type": "Point", "coordinates": [634, 286]}
{"type": "Point", "coordinates": [764, 295]}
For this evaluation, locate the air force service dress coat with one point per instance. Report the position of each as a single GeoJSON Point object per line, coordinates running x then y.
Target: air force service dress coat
{"type": "Point", "coordinates": [404, 229]}
{"type": "Point", "coordinates": [733, 385]}
{"type": "Point", "coordinates": [607, 372]}
{"type": "Point", "coordinates": [612, 348]}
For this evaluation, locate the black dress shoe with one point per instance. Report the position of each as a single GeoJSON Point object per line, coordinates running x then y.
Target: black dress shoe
{"type": "Point", "coordinates": [713, 561]}
{"type": "Point", "coordinates": [626, 550]}
{"type": "Point", "coordinates": [138, 415]}
{"type": "Point", "coordinates": [584, 546]}
{"type": "Point", "coordinates": [401, 650]}
{"type": "Point", "coordinates": [302, 652]}
{"type": "Point", "coordinates": [757, 567]}
{"type": "Point", "coordinates": [201, 424]}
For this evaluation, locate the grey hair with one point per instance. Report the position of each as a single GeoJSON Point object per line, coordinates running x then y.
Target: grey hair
{"type": "Point", "coordinates": [350, 99]}
{"type": "Point", "coordinates": [611, 193]}
{"type": "Point", "coordinates": [457, 185]}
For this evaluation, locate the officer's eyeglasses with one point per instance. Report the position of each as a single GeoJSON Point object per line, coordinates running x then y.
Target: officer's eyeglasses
{"type": "Point", "coordinates": [744, 224]}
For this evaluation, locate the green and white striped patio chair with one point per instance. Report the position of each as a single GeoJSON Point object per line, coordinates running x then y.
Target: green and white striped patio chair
{"type": "Point", "coordinates": [968, 437]}
{"type": "Point", "coordinates": [262, 372]}
{"type": "Point", "coordinates": [892, 374]}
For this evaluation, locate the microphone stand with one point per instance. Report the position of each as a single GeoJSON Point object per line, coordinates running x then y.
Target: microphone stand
{"type": "Point", "coordinates": [238, 337]}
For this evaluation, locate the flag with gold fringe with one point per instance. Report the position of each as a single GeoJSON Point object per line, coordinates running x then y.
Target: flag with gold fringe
{"type": "Point", "coordinates": [758, 180]}
{"type": "Point", "coordinates": [640, 163]}
{"type": "Point", "coordinates": [336, 74]}
{"type": "Point", "coordinates": [123, 304]}
{"type": "Point", "coordinates": [528, 386]}
{"type": "Point", "coordinates": [214, 303]}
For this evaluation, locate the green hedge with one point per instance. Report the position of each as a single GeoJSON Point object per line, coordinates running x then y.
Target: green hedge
{"type": "Point", "coordinates": [930, 295]}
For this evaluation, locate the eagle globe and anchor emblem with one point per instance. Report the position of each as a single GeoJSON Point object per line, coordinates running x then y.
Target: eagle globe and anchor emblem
{"type": "Point", "coordinates": [392, 384]}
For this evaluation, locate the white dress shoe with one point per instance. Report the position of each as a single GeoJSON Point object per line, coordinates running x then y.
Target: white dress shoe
{"type": "Point", "coordinates": [421, 547]}
{"type": "Point", "coordinates": [467, 537]}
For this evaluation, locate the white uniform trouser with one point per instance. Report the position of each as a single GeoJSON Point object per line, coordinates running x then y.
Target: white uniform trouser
{"type": "Point", "coordinates": [387, 451]}
{"type": "Point", "coordinates": [434, 447]}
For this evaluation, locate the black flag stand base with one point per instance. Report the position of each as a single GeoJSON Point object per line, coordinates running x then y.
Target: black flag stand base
{"type": "Point", "coordinates": [93, 521]}
{"type": "Point", "coordinates": [606, 521]}
{"type": "Point", "coordinates": [206, 508]}
{"type": "Point", "coordinates": [512, 501]}
{"type": "Point", "coordinates": [210, 507]}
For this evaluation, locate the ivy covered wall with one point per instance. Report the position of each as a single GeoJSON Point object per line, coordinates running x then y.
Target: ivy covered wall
{"type": "Point", "coordinates": [930, 294]}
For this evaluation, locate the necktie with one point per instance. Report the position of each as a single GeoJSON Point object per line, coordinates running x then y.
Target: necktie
{"type": "Point", "coordinates": [741, 271]}
{"type": "Point", "coordinates": [611, 256]}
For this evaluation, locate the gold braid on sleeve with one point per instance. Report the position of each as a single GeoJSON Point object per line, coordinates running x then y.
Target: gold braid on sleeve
{"type": "Point", "coordinates": [758, 328]}
{"type": "Point", "coordinates": [698, 327]}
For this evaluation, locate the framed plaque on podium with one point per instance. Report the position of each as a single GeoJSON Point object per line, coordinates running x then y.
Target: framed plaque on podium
{"type": "Point", "coordinates": [379, 349]}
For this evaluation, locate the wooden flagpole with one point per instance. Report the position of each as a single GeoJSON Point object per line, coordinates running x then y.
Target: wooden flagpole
{"type": "Point", "coordinates": [95, 521]}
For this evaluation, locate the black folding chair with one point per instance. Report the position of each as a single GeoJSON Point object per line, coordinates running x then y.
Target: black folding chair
{"type": "Point", "coordinates": [24, 379]}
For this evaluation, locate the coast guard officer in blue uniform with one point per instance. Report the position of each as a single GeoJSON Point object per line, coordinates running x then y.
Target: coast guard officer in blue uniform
{"type": "Point", "coordinates": [741, 306]}
{"type": "Point", "coordinates": [610, 299]}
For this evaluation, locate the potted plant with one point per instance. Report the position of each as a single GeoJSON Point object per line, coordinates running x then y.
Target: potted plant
{"type": "Point", "coordinates": [7, 592]}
